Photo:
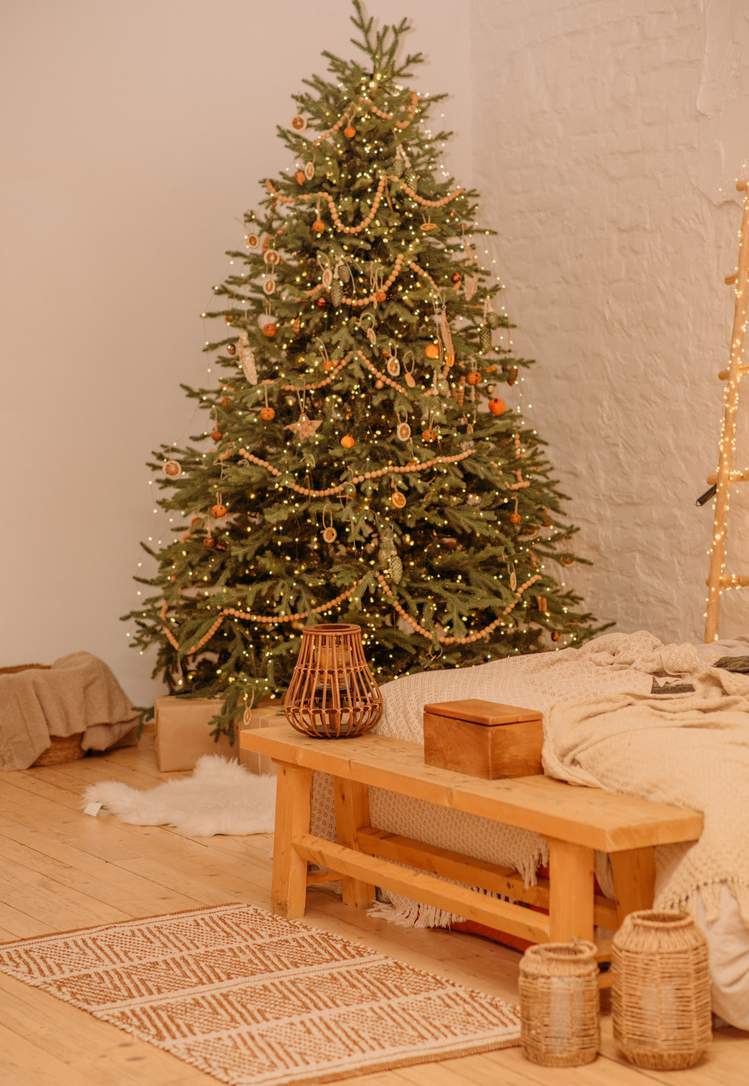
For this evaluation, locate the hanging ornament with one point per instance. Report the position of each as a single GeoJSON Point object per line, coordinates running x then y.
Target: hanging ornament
{"type": "Point", "coordinates": [172, 469]}
{"type": "Point", "coordinates": [209, 542]}
{"type": "Point", "coordinates": [445, 335]}
{"type": "Point", "coordinates": [247, 358]}
{"type": "Point", "coordinates": [397, 499]}
{"type": "Point", "coordinates": [428, 435]}
{"type": "Point", "coordinates": [267, 323]}
{"type": "Point", "coordinates": [412, 180]}
{"type": "Point", "coordinates": [218, 510]}
{"type": "Point", "coordinates": [336, 293]}
{"type": "Point", "coordinates": [318, 226]}
{"type": "Point", "coordinates": [379, 384]}
{"type": "Point", "coordinates": [327, 272]}
{"type": "Point", "coordinates": [231, 349]}
{"type": "Point", "coordinates": [409, 365]}
{"type": "Point", "coordinates": [542, 604]}
{"type": "Point", "coordinates": [497, 406]}
{"type": "Point", "coordinates": [470, 286]}
{"type": "Point", "coordinates": [329, 534]}
{"type": "Point", "coordinates": [485, 334]}
{"type": "Point", "coordinates": [216, 435]}
{"type": "Point", "coordinates": [393, 365]}
{"type": "Point", "coordinates": [299, 177]}
{"type": "Point", "coordinates": [267, 413]}
{"type": "Point", "coordinates": [298, 123]}
{"type": "Point", "coordinates": [456, 278]}
{"type": "Point", "coordinates": [269, 286]}
{"type": "Point", "coordinates": [271, 257]}
{"type": "Point", "coordinates": [309, 170]}
{"type": "Point", "coordinates": [432, 350]}
{"type": "Point", "coordinates": [349, 131]}
{"type": "Point", "coordinates": [388, 555]}
{"type": "Point", "coordinates": [512, 375]}
{"type": "Point", "coordinates": [473, 377]}
{"type": "Point", "coordinates": [427, 225]}
{"type": "Point", "coordinates": [251, 241]}
{"type": "Point", "coordinates": [366, 323]}
{"type": "Point", "coordinates": [321, 303]}
{"type": "Point", "coordinates": [304, 427]}
{"type": "Point", "coordinates": [402, 429]}
{"type": "Point", "coordinates": [513, 579]}
{"type": "Point", "coordinates": [348, 441]}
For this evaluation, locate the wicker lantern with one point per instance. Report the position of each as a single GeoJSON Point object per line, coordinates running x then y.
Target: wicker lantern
{"type": "Point", "coordinates": [559, 1004]}
{"type": "Point", "coordinates": [660, 994]}
{"type": "Point", "coordinates": [332, 693]}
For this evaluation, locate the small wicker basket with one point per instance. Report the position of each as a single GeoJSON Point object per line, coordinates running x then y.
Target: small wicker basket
{"type": "Point", "coordinates": [660, 995]}
{"type": "Point", "coordinates": [332, 693]}
{"type": "Point", "coordinates": [559, 1004]}
{"type": "Point", "coordinates": [62, 748]}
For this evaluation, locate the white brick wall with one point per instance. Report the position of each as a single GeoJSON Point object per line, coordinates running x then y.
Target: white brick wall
{"type": "Point", "coordinates": [603, 131]}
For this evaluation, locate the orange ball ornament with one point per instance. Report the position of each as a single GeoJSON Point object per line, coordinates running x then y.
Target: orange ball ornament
{"type": "Point", "coordinates": [456, 277]}
{"type": "Point", "coordinates": [321, 302]}
{"type": "Point", "coordinates": [432, 350]}
{"type": "Point", "coordinates": [348, 441]}
{"type": "Point", "coordinates": [269, 330]}
{"type": "Point", "coordinates": [318, 227]}
{"type": "Point", "coordinates": [349, 131]}
{"type": "Point", "coordinates": [515, 518]}
{"type": "Point", "coordinates": [474, 378]}
{"type": "Point", "coordinates": [428, 435]}
{"type": "Point", "coordinates": [497, 406]}
{"type": "Point", "coordinates": [216, 435]}
{"type": "Point", "coordinates": [225, 402]}
{"type": "Point", "coordinates": [299, 177]}
{"type": "Point", "coordinates": [267, 413]}
{"type": "Point", "coordinates": [380, 296]}
{"type": "Point", "coordinates": [218, 510]}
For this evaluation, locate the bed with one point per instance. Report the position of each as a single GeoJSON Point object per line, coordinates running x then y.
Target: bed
{"type": "Point", "coordinates": [537, 681]}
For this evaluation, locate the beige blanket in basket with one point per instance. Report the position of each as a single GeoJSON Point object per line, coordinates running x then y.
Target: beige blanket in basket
{"type": "Point", "coordinates": [690, 749]}
{"type": "Point", "coordinates": [77, 694]}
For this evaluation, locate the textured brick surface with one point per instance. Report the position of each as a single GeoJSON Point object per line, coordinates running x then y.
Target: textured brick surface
{"type": "Point", "coordinates": [603, 131]}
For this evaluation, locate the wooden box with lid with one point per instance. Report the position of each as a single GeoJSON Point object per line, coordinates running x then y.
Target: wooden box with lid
{"type": "Point", "coordinates": [483, 738]}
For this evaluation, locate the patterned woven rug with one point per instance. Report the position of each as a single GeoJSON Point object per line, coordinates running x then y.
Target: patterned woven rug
{"type": "Point", "coordinates": [255, 1000]}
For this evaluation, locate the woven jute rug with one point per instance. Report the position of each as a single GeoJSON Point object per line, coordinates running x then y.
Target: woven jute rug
{"type": "Point", "coordinates": [251, 998]}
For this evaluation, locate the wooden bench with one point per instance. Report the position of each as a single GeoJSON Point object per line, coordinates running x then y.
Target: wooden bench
{"type": "Point", "coordinates": [575, 822]}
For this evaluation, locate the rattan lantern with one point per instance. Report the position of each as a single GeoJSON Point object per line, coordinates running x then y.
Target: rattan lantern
{"type": "Point", "coordinates": [660, 992]}
{"type": "Point", "coordinates": [559, 1004]}
{"type": "Point", "coordinates": [332, 693]}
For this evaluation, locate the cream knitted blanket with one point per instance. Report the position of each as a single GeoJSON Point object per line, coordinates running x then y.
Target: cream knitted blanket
{"type": "Point", "coordinates": [615, 664]}
{"type": "Point", "coordinates": [689, 749]}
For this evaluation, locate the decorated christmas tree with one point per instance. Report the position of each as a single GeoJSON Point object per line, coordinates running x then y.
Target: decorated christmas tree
{"type": "Point", "coordinates": [364, 458]}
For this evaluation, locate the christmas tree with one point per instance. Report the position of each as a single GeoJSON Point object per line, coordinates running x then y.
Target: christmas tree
{"type": "Point", "coordinates": [364, 460]}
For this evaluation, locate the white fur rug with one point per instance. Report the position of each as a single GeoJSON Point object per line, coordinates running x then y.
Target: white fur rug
{"type": "Point", "coordinates": [219, 797]}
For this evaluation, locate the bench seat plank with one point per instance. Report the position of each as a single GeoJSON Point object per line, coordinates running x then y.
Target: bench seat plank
{"type": "Point", "coordinates": [583, 816]}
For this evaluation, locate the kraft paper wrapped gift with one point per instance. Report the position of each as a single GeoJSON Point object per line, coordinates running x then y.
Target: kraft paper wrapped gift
{"type": "Point", "coordinates": [183, 733]}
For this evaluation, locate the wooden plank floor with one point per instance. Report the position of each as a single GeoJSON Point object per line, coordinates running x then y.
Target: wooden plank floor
{"type": "Point", "coordinates": [60, 869]}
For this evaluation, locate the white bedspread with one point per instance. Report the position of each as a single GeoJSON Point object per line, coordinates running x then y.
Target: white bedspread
{"type": "Point", "coordinates": [608, 665]}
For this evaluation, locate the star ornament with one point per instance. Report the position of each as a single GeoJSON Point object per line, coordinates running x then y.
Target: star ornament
{"type": "Point", "coordinates": [304, 427]}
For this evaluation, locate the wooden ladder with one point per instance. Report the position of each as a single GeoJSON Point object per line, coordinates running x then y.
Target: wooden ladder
{"type": "Point", "coordinates": [727, 475]}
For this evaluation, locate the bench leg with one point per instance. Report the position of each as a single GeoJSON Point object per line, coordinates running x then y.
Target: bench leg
{"type": "Point", "coordinates": [351, 814]}
{"type": "Point", "coordinates": [293, 796]}
{"type": "Point", "coordinates": [634, 880]}
{"type": "Point", "coordinates": [571, 873]}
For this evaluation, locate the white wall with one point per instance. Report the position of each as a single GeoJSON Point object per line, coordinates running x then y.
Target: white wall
{"type": "Point", "coordinates": [603, 132]}
{"type": "Point", "coordinates": [134, 135]}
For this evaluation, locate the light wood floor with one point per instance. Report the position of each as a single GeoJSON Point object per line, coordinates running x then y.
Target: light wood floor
{"type": "Point", "coordinates": [60, 869]}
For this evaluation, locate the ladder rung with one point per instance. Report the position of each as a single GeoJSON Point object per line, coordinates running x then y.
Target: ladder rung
{"type": "Point", "coordinates": [725, 374]}
{"type": "Point", "coordinates": [732, 580]}
{"type": "Point", "coordinates": [734, 477]}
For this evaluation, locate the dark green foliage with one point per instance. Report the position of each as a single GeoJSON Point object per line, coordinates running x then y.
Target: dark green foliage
{"type": "Point", "coordinates": [468, 538]}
